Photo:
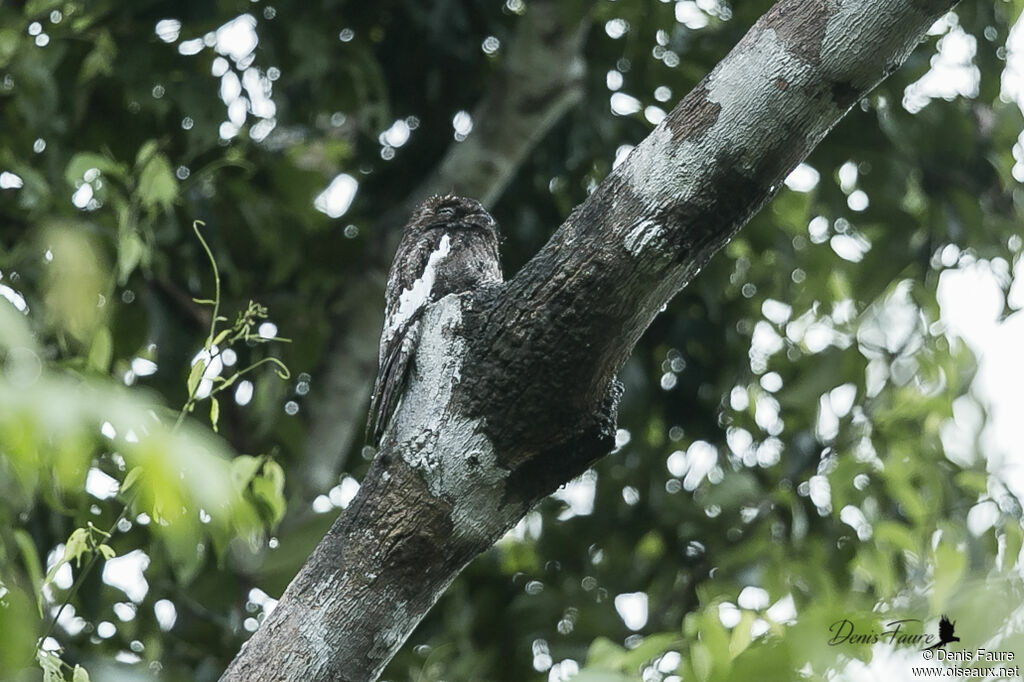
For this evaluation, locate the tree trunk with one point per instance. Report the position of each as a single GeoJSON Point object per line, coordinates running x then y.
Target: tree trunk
{"type": "Point", "coordinates": [513, 391]}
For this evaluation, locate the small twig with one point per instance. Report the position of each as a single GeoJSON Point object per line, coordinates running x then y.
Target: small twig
{"type": "Point", "coordinates": [83, 574]}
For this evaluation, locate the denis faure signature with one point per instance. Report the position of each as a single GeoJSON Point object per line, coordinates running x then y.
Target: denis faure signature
{"type": "Point", "coordinates": [904, 632]}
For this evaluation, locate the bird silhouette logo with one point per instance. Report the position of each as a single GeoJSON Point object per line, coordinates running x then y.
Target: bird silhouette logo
{"type": "Point", "coordinates": [946, 634]}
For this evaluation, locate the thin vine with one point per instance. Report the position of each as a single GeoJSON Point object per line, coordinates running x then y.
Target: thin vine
{"type": "Point", "coordinates": [91, 540]}
{"type": "Point", "coordinates": [219, 341]}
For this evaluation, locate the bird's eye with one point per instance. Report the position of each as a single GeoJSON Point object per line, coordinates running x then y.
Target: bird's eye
{"type": "Point", "coordinates": [446, 212]}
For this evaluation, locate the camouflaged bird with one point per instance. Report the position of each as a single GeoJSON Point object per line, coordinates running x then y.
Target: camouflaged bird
{"type": "Point", "coordinates": [449, 246]}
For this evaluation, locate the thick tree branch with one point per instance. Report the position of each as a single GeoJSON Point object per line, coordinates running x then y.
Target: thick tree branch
{"type": "Point", "coordinates": [541, 79]}
{"type": "Point", "coordinates": [514, 391]}
{"type": "Point", "coordinates": [571, 317]}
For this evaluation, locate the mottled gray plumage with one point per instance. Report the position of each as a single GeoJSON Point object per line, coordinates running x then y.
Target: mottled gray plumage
{"type": "Point", "coordinates": [449, 246]}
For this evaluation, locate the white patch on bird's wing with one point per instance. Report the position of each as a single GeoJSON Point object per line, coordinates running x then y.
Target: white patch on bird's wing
{"type": "Point", "coordinates": [419, 294]}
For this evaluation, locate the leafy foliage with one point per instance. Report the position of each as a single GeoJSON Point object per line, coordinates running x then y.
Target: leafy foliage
{"type": "Point", "coordinates": [785, 458]}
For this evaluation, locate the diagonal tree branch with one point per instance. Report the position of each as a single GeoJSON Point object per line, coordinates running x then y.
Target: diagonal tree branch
{"type": "Point", "coordinates": [514, 391]}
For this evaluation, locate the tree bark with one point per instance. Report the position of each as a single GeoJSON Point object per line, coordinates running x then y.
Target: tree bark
{"type": "Point", "coordinates": [540, 80]}
{"type": "Point", "coordinates": [513, 391]}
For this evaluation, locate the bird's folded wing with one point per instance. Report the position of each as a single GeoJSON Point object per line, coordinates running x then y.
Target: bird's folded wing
{"type": "Point", "coordinates": [391, 377]}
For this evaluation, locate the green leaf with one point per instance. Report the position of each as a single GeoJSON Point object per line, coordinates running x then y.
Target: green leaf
{"type": "Point", "coordinates": [715, 638]}
{"type": "Point", "coordinates": [740, 639]}
{"type": "Point", "coordinates": [101, 350]}
{"type": "Point", "coordinates": [244, 468]}
{"type": "Point", "coordinates": [30, 558]}
{"type": "Point", "coordinates": [15, 331]}
{"type": "Point", "coordinates": [269, 490]}
{"type": "Point", "coordinates": [9, 39]}
{"type": "Point", "coordinates": [650, 546]}
{"type": "Point", "coordinates": [272, 471]}
{"type": "Point", "coordinates": [220, 337]}
{"type": "Point", "coordinates": [195, 375]}
{"type": "Point", "coordinates": [100, 60]}
{"type": "Point", "coordinates": [131, 479]}
{"type": "Point", "coordinates": [1014, 10]}
{"type": "Point", "coordinates": [181, 542]}
{"type": "Point", "coordinates": [650, 647]}
{"type": "Point", "coordinates": [973, 481]}
{"type": "Point", "coordinates": [146, 152]}
{"type": "Point", "coordinates": [75, 171]}
{"type": "Point", "coordinates": [130, 252]}
{"type": "Point", "coordinates": [1014, 539]}
{"type": "Point", "coordinates": [897, 535]}
{"type": "Point", "coordinates": [605, 654]}
{"type": "Point", "coordinates": [80, 675]}
{"type": "Point", "coordinates": [157, 184]}
{"type": "Point", "coordinates": [214, 413]}
{"type": "Point", "coordinates": [20, 627]}
{"type": "Point", "coordinates": [36, 8]}
{"type": "Point", "coordinates": [701, 660]}
{"type": "Point", "coordinates": [51, 665]}
{"type": "Point", "coordinates": [77, 546]}
{"type": "Point", "coordinates": [107, 551]}
{"type": "Point", "coordinates": [950, 564]}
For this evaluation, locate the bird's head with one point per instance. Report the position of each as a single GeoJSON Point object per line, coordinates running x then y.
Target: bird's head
{"type": "Point", "coordinates": [450, 212]}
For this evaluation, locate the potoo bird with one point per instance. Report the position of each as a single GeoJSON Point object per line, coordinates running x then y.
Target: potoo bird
{"type": "Point", "coordinates": [449, 246]}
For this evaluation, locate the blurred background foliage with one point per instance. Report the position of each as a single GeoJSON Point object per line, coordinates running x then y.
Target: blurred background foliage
{"type": "Point", "coordinates": [799, 439]}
